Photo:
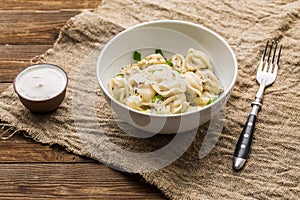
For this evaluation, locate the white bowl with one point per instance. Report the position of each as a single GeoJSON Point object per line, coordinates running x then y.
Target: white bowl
{"type": "Point", "coordinates": [172, 36]}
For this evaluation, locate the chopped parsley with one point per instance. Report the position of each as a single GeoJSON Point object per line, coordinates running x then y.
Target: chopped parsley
{"type": "Point", "coordinates": [159, 51]}
{"type": "Point", "coordinates": [137, 56]}
{"type": "Point", "coordinates": [212, 100]}
{"type": "Point", "coordinates": [120, 75]}
{"type": "Point", "coordinates": [169, 63]}
{"type": "Point", "coordinates": [158, 96]}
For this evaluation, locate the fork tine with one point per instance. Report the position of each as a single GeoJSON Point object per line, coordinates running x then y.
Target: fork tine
{"type": "Point", "coordinates": [274, 52]}
{"type": "Point", "coordinates": [272, 63]}
{"type": "Point", "coordinates": [277, 62]}
{"type": "Point", "coordinates": [268, 60]}
{"type": "Point", "coordinates": [265, 51]}
{"type": "Point", "coordinates": [263, 57]}
{"type": "Point", "coordinates": [270, 50]}
{"type": "Point", "coordinates": [278, 57]}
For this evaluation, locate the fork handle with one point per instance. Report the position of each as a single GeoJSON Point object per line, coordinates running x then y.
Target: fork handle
{"type": "Point", "coordinates": [243, 145]}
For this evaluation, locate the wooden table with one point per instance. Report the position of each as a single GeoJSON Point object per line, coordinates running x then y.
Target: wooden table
{"type": "Point", "coordinates": [32, 170]}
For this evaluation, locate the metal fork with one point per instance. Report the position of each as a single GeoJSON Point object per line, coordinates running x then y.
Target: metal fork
{"type": "Point", "coordinates": [266, 75]}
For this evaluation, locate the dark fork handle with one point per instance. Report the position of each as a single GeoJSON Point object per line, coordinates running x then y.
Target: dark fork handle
{"type": "Point", "coordinates": [243, 145]}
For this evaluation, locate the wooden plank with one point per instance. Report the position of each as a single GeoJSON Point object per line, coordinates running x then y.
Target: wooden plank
{"type": "Point", "coordinates": [9, 69]}
{"type": "Point", "coordinates": [21, 52]}
{"type": "Point", "coordinates": [19, 149]}
{"type": "Point", "coordinates": [32, 27]}
{"type": "Point", "coordinates": [69, 181]}
{"type": "Point", "coordinates": [47, 5]}
{"type": "Point", "coordinates": [13, 58]}
{"type": "Point", "coordinates": [3, 86]}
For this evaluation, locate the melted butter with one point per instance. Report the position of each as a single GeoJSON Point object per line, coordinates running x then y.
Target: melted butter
{"type": "Point", "coordinates": [41, 82]}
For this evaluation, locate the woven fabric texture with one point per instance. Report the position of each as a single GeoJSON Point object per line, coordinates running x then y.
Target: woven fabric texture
{"type": "Point", "coordinates": [84, 124]}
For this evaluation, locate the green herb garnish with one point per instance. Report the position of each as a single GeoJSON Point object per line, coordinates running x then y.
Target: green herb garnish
{"type": "Point", "coordinates": [120, 75]}
{"type": "Point", "coordinates": [169, 63]}
{"type": "Point", "coordinates": [137, 56]}
{"type": "Point", "coordinates": [156, 97]}
{"type": "Point", "coordinates": [159, 51]}
{"type": "Point", "coordinates": [211, 100]}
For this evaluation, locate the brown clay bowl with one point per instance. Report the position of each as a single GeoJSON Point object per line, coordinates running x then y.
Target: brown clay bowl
{"type": "Point", "coordinates": [41, 87]}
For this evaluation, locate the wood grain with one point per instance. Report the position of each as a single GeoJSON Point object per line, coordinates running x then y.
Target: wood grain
{"type": "Point", "coordinates": [32, 27]}
{"type": "Point", "coordinates": [48, 5]}
{"type": "Point", "coordinates": [29, 170]}
{"type": "Point", "coordinates": [21, 52]}
{"type": "Point", "coordinates": [20, 149]}
{"type": "Point", "coordinates": [14, 58]}
{"type": "Point", "coordinates": [9, 69]}
{"type": "Point", "coordinates": [70, 181]}
{"type": "Point", "coordinates": [4, 86]}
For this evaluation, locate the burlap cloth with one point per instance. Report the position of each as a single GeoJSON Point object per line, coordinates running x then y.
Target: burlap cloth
{"type": "Point", "coordinates": [273, 170]}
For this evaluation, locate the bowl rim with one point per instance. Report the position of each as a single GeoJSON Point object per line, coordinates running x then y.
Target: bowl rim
{"type": "Point", "coordinates": [44, 100]}
{"type": "Point", "coordinates": [141, 25]}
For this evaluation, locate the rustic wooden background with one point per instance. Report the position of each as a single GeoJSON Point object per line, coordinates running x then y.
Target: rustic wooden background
{"type": "Point", "coordinates": [32, 170]}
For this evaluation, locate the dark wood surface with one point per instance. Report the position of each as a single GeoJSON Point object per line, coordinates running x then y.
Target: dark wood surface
{"type": "Point", "coordinates": [31, 170]}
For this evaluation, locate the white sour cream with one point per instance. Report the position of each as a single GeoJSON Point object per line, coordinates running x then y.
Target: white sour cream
{"type": "Point", "coordinates": [41, 82]}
